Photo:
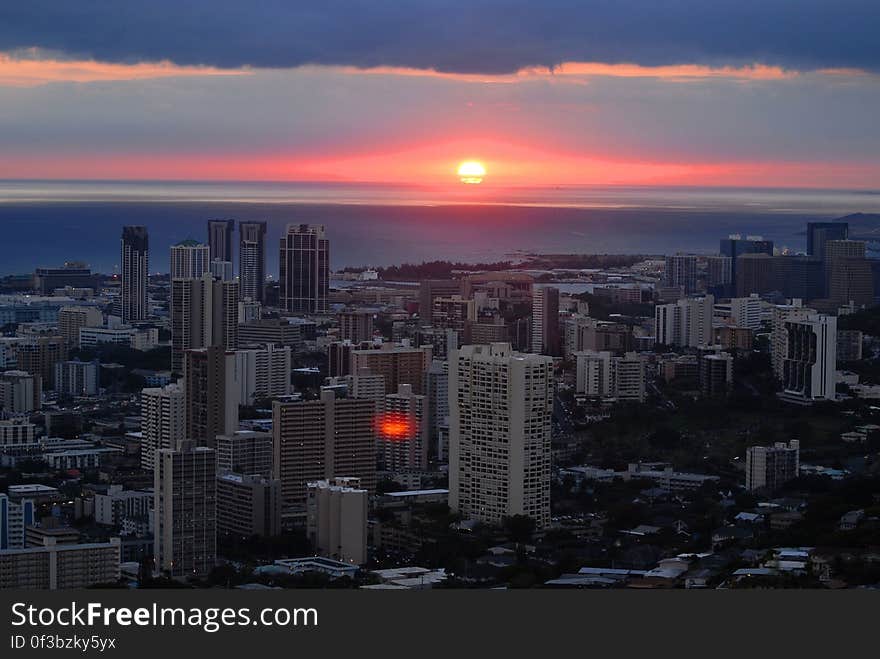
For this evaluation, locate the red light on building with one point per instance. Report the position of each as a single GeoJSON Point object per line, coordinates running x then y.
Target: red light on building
{"type": "Point", "coordinates": [394, 427]}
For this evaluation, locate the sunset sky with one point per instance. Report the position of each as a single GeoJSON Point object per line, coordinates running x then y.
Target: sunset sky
{"type": "Point", "coordinates": [772, 92]}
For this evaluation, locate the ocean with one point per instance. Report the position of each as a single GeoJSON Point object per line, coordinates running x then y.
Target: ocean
{"type": "Point", "coordinates": [49, 222]}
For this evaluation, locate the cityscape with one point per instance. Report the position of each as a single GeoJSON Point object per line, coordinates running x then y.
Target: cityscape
{"type": "Point", "coordinates": [565, 421]}
{"type": "Point", "coordinates": [566, 297]}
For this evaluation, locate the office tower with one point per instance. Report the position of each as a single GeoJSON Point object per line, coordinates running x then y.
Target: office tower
{"type": "Point", "coordinates": [304, 272]}
{"type": "Point", "coordinates": [819, 233]}
{"type": "Point", "coordinates": [431, 289]}
{"type": "Point", "coordinates": [220, 239]}
{"type": "Point", "coordinates": [134, 273]}
{"type": "Point", "coordinates": [278, 331]}
{"type": "Point", "coordinates": [204, 312]}
{"type": "Point", "coordinates": [54, 566]}
{"type": "Point", "coordinates": [398, 364]}
{"type": "Point", "coordinates": [15, 517]}
{"type": "Point", "coordinates": [245, 452]}
{"type": "Point", "coordinates": [321, 439]}
{"type": "Point", "coordinates": [735, 246]}
{"type": "Point", "coordinates": [77, 378]}
{"type": "Point", "coordinates": [686, 323]}
{"type": "Point", "coordinates": [190, 259]}
{"type": "Point", "coordinates": [719, 275]}
{"type": "Point", "coordinates": [754, 274]}
{"type": "Point", "coordinates": [263, 373]}
{"type": "Point", "coordinates": [38, 355]}
{"type": "Point", "coordinates": [71, 319]}
{"type": "Point", "coordinates": [681, 271]}
{"type": "Point", "coordinates": [810, 363]}
{"type": "Point", "coordinates": [402, 431]}
{"type": "Point", "coordinates": [222, 270]}
{"type": "Point", "coordinates": [211, 392]}
{"type": "Point", "coordinates": [185, 509]}
{"type": "Point", "coordinates": [73, 274]}
{"type": "Point", "coordinates": [545, 322]}
{"type": "Point", "coordinates": [20, 392]}
{"type": "Point", "coordinates": [355, 326]}
{"type": "Point", "coordinates": [849, 345]}
{"type": "Point", "coordinates": [248, 505]}
{"type": "Point", "coordinates": [437, 391]}
{"type": "Point", "coordinates": [336, 522]}
{"type": "Point", "coordinates": [251, 260]}
{"type": "Point", "coordinates": [716, 374]}
{"type": "Point", "coordinates": [848, 273]}
{"type": "Point", "coordinates": [770, 467]}
{"type": "Point", "coordinates": [500, 408]}
{"type": "Point", "coordinates": [163, 421]}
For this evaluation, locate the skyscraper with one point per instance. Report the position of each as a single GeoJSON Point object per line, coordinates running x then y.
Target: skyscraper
{"type": "Point", "coordinates": [500, 405]}
{"type": "Point", "coordinates": [848, 273]}
{"type": "Point", "coordinates": [185, 509]}
{"type": "Point", "coordinates": [810, 363]}
{"type": "Point", "coordinates": [686, 323]}
{"type": "Point", "coordinates": [220, 239]}
{"type": "Point", "coordinates": [320, 439]}
{"type": "Point", "coordinates": [190, 259]}
{"type": "Point", "coordinates": [134, 274]}
{"type": "Point", "coordinates": [211, 392]}
{"type": "Point", "coordinates": [304, 271]}
{"type": "Point", "coordinates": [403, 430]}
{"type": "Point", "coordinates": [735, 246]}
{"type": "Point", "coordinates": [204, 312]}
{"type": "Point", "coordinates": [545, 321]}
{"type": "Point", "coordinates": [681, 271]}
{"type": "Point", "coordinates": [337, 519]}
{"type": "Point", "coordinates": [818, 233]}
{"type": "Point", "coordinates": [163, 421]}
{"type": "Point", "coordinates": [251, 260]}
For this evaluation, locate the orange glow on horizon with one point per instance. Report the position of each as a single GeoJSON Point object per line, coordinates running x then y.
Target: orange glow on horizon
{"type": "Point", "coordinates": [471, 172]}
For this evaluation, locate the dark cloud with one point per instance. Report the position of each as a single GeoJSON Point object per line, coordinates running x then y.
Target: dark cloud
{"type": "Point", "coordinates": [486, 36]}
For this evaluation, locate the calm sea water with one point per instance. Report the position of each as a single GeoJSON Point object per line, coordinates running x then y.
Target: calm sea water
{"type": "Point", "coordinates": [47, 223]}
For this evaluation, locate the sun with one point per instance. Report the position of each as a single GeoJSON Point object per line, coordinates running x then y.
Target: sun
{"type": "Point", "coordinates": [471, 172]}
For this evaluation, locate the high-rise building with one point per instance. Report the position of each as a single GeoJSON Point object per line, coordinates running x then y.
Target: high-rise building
{"type": "Point", "coordinates": [251, 260]}
{"type": "Point", "coordinates": [770, 467]}
{"type": "Point", "coordinates": [719, 275]}
{"type": "Point", "coordinates": [593, 373]}
{"type": "Point", "coordinates": [222, 270]}
{"type": "Point", "coordinates": [628, 377]}
{"type": "Point", "coordinates": [56, 566]}
{"type": "Point", "coordinates": [134, 273]}
{"type": "Point", "coordinates": [190, 259]}
{"type": "Point", "coordinates": [304, 272]}
{"type": "Point", "coordinates": [735, 246]}
{"type": "Point", "coordinates": [245, 452]}
{"type": "Point", "coordinates": [355, 326]}
{"type": "Point", "coordinates": [73, 274]}
{"type": "Point", "coordinates": [220, 239]}
{"type": "Point", "coordinates": [849, 345]}
{"type": "Point", "coordinates": [431, 289]}
{"type": "Point", "coordinates": [38, 355]}
{"type": "Point", "coordinates": [337, 519]}
{"type": "Point", "coordinates": [686, 323]}
{"type": "Point", "coordinates": [321, 439]}
{"type": "Point", "coordinates": [402, 431]}
{"type": "Point", "coordinates": [779, 333]}
{"type": "Point", "coordinates": [15, 517]}
{"type": "Point", "coordinates": [437, 392]}
{"type": "Point", "coordinates": [248, 505]}
{"type": "Point", "coordinates": [500, 409]}
{"type": "Point", "coordinates": [278, 331]}
{"type": "Point", "coordinates": [17, 435]}
{"type": "Point", "coordinates": [545, 322]}
{"type": "Point", "coordinates": [163, 421]}
{"type": "Point", "coordinates": [263, 373]}
{"type": "Point", "coordinates": [20, 392]}
{"type": "Point", "coordinates": [211, 394]}
{"type": "Point", "coordinates": [204, 312]}
{"type": "Point", "coordinates": [716, 374]}
{"type": "Point", "coordinates": [681, 271]}
{"type": "Point", "coordinates": [77, 378]}
{"type": "Point", "coordinates": [819, 233]}
{"type": "Point", "coordinates": [185, 509]}
{"type": "Point", "coordinates": [848, 273]}
{"type": "Point", "coordinates": [71, 319]}
{"type": "Point", "coordinates": [398, 364]}
{"type": "Point", "coordinates": [745, 311]}
{"type": "Point", "coordinates": [810, 364]}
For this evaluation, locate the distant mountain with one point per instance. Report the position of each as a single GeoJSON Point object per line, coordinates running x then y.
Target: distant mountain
{"type": "Point", "coordinates": [863, 226]}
